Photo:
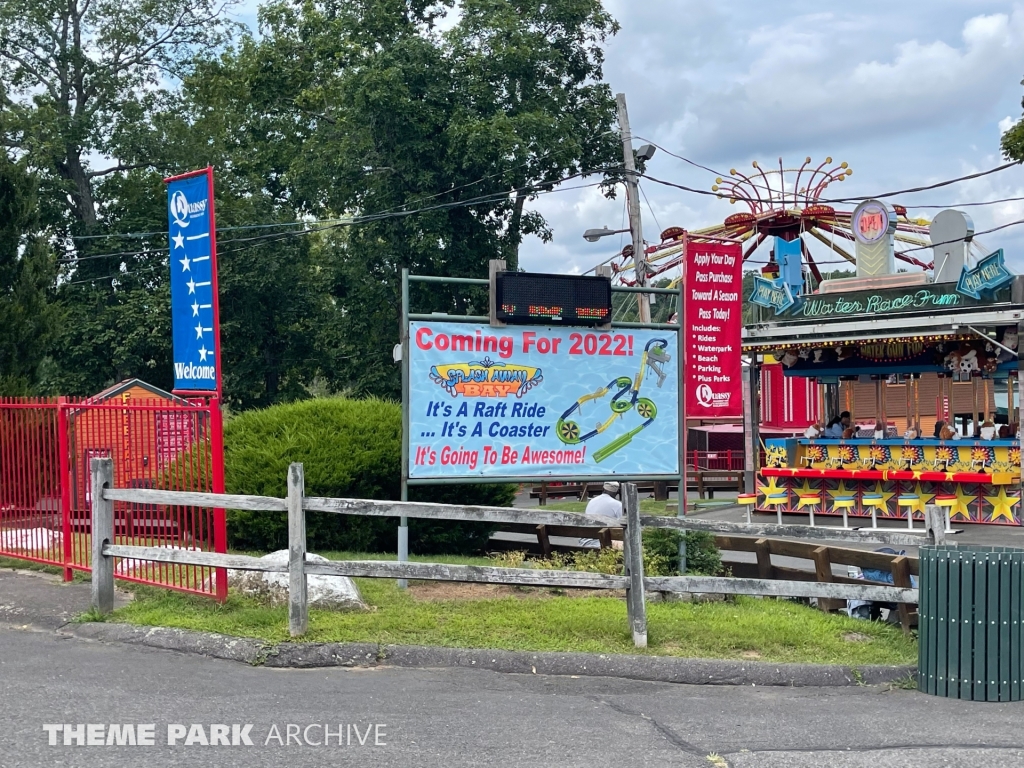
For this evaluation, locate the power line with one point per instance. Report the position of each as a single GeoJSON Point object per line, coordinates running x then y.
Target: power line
{"type": "Point", "coordinates": [926, 187]}
{"type": "Point", "coordinates": [650, 208]}
{"type": "Point", "coordinates": [976, 234]}
{"type": "Point", "coordinates": [971, 205]}
{"type": "Point", "coordinates": [388, 210]}
{"type": "Point", "coordinates": [118, 274]}
{"type": "Point", "coordinates": [694, 163]}
{"type": "Point", "coordinates": [539, 189]}
{"type": "Point", "coordinates": [911, 190]}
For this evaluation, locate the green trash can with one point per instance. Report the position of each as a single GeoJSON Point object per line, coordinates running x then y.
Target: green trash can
{"type": "Point", "coordinates": [969, 622]}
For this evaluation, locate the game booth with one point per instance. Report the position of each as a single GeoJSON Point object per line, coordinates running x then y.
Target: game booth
{"type": "Point", "coordinates": [916, 338]}
{"type": "Point", "coordinates": [908, 368]}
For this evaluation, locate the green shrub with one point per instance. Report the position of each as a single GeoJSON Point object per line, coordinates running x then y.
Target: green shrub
{"type": "Point", "coordinates": [349, 449]}
{"type": "Point", "coordinates": [702, 556]}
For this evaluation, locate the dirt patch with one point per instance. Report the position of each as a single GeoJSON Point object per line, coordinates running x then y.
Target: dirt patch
{"type": "Point", "coordinates": [750, 655]}
{"type": "Point", "coordinates": [440, 591]}
{"type": "Point", "coordinates": [856, 637]}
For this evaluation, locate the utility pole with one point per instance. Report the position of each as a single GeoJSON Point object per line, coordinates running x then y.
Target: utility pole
{"type": "Point", "coordinates": [633, 208]}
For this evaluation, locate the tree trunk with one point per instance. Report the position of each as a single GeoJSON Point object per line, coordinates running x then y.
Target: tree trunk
{"type": "Point", "coordinates": [83, 204]}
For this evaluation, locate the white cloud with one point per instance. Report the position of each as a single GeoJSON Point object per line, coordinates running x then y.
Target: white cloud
{"type": "Point", "coordinates": [908, 94]}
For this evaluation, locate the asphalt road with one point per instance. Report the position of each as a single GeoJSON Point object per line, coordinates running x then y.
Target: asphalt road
{"type": "Point", "coordinates": [450, 717]}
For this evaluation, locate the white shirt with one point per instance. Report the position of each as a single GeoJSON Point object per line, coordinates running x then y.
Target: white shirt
{"type": "Point", "coordinates": [605, 506]}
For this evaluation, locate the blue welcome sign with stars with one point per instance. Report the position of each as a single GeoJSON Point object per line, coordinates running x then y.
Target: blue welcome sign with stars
{"type": "Point", "coordinates": [194, 310]}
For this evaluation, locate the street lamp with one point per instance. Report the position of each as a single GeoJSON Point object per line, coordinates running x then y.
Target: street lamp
{"type": "Point", "coordinates": [646, 152]}
{"type": "Point", "coordinates": [593, 235]}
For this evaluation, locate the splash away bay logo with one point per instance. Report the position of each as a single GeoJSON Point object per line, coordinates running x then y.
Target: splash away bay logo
{"type": "Point", "coordinates": [486, 378]}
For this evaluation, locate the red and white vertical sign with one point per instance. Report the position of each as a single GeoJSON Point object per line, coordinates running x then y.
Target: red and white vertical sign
{"type": "Point", "coordinates": [713, 321]}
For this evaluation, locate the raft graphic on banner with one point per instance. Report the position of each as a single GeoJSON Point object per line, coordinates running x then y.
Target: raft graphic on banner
{"type": "Point", "coordinates": [488, 402]}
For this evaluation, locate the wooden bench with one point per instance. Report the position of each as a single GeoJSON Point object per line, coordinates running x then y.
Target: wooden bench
{"type": "Point", "coordinates": [584, 491]}
{"type": "Point", "coordinates": [821, 558]}
{"type": "Point", "coordinates": [701, 481]}
{"type": "Point", "coordinates": [710, 480]}
{"type": "Point", "coordinates": [543, 533]}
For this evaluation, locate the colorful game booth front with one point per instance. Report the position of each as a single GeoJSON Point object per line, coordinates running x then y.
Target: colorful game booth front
{"type": "Point", "coordinates": [917, 378]}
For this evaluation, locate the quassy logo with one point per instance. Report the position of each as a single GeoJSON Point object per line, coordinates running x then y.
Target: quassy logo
{"type": "Point", "coordinates": [182, 209]}
{"type": "Point", "coordinates": [711, 399]}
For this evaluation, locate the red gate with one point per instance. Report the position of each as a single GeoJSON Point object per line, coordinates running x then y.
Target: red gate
{"type": "Point", "coordinates": [45, 494]}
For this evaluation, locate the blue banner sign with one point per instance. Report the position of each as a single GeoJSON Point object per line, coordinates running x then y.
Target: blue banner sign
{"type": "Point", "coordinates": [773, 294]}
{"type": "Point", "coordinates": [989, 274]}
{"type": "Point", "coordinates": [541, 402]}
{"type": "Point", "coordinates": [194, 324]}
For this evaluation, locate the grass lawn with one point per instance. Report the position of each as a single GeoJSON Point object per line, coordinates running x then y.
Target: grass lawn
{"type": "Point", "coordinates": [537, 619]}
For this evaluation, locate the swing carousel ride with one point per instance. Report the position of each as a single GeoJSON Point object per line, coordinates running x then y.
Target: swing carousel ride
{"type": "Point", "coordinates": [906, 357]}
{"type": "Point", "coordinates": [783, 203]}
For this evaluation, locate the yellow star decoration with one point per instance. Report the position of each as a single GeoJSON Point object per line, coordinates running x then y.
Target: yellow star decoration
{"type": "Point", "coordinates": [772, 490]}
{"type": "Point", "coordinates": [1002, 506]}
{"type": "Point", "coordinates": [963, 501]}
{"type": "Point", "coordinates": [841, 492]}
{"type": "Point", "coordinates": [886, 495]}
{"type": "Point", "coordinates": [809, 497]}
{"type": "Point", "coordinates": [922, 499]}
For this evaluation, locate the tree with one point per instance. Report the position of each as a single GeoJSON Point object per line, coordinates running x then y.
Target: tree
{"type": "Point", "coordinates": [440, 138]}
{"type": "Point", "coordinates": [26, 271]}
{"type": "Point", "coordinates": [1012, 141]}
{"type": "Point", "coordinates": [82, 75]}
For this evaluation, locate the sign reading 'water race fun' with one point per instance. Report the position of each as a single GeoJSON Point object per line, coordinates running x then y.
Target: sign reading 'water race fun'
{"type": "Point", "coordinates": [193, 282]}
{"type": "Point", "coordinates": [541, 402]}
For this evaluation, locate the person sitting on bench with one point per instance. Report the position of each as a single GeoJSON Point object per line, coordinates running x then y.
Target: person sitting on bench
{"type": "Point", "coordinates": [605, 505]}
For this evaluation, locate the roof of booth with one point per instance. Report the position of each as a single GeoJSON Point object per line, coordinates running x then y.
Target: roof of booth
{"type": "Point", "coordinates": [128, 384]}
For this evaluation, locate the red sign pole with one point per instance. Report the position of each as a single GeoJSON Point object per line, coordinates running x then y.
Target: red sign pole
{"type": "Point", "coordinates": [220, 532]}
{"type": "Point", "coordinates": [683, 348]}
{"type": "Point", "coordinates": [220, 525]}
{"type": "Point", "coordinates": [64, 447]}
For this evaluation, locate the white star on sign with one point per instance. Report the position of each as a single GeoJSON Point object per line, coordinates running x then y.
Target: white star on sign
{"type": "Point", "coordinates": [191, 286]}
{"type": "Point", "coordinates": [195, 309]}
{"type": "Point", "coordinates": [184, 265]}
{"type": "Point", "coordinates": [203, 352]}
{"type": "Point", "coordinates": [179, 240]}
{"type": "Point", "coordinates": [199, 331]}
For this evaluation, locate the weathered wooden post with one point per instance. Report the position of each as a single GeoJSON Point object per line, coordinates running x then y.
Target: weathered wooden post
{"type": "Point", "coordinates": [633, 554]}
{"type": "Point", "coordinates": [936, 523]}
{"type": "Point", "coordinates": [102, 534]}
{"type": "Point", "coordinates": [298, 610]}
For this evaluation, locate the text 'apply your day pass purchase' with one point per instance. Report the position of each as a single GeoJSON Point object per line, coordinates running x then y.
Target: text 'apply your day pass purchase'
{"type": "Point", "coordinates": [541, 402]}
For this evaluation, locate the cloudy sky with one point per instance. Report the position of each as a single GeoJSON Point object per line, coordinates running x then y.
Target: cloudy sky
{"type": "Point", "coordinates": [907, 93]}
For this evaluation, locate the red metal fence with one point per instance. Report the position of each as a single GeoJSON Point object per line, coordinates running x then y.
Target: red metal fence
{"type": "Point", "coordinates": [45, 498]}
{"type": "Point", "coordinates": [724, 460]}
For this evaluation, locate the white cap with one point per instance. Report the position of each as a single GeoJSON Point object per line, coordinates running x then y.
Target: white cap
{"type": "Point", "coordinates": [611, 487]}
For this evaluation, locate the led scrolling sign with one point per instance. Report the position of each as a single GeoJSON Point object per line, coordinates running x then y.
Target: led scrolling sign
{"type": "Point", "coordinates": [552, 299]}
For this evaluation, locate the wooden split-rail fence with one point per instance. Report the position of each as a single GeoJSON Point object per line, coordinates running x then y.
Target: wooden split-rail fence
{"type": "Point", "coordinates": [105, 549]}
